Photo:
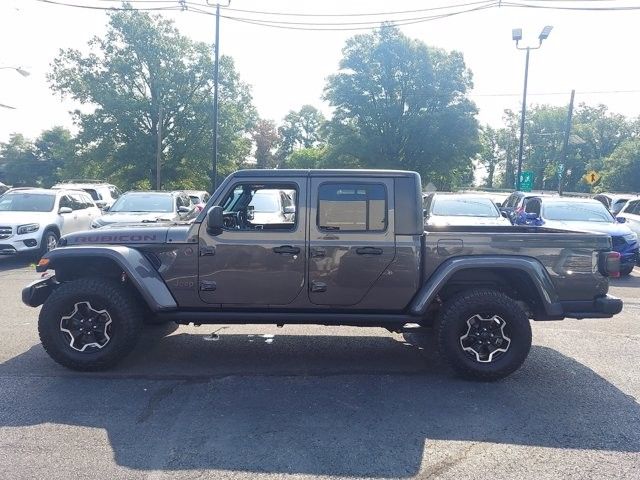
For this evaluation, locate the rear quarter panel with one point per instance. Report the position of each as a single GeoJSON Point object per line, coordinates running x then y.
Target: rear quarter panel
{"type": "Point", "coordinates": [568, 257]}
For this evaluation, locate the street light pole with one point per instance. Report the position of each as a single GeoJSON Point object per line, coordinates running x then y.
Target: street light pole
{"type": "Point", "coordinates": [516, 35]}
{"type": "Point", "coordinates": [21, 71]}
{"type": "Point", "coordinates": [523, 113]}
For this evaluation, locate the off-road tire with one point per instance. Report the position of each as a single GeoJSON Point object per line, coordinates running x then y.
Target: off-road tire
{"type": "Point", "coordinates": [452, 323]}
{"type": "Point", "coordinates": [102, 293]}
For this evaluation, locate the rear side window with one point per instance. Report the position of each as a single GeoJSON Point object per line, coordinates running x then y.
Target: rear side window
{"type": "Point", "coordinates": [352, 207]}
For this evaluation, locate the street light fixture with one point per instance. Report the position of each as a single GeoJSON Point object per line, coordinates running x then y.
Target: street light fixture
{"type": "Point", "coordinates": [20, 70]}
{"type": "Point", "coordinates": [516, 35]}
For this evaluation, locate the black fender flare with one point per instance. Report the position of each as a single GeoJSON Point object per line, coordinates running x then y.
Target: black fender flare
{"type": "Point", "coordinates": [530, 266]}
{"type": "Point", "coordinates": [134, 264]}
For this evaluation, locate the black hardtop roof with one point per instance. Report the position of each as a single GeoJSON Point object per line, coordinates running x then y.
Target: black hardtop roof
{"type": "Point", "coordinates": [322, 173]}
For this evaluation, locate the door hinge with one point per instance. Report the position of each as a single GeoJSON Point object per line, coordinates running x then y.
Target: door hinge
{"type": "Point", "coordinates": [207, 286]}
{"type": "Point", "coordinates": [207, 251]}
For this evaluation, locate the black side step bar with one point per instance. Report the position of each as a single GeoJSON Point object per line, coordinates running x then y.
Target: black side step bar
{"type": "Point", "coordinates": [280, 318]}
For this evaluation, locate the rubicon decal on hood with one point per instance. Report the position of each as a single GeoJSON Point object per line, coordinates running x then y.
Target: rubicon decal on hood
{"type": "Point", "coordinates": [116, 238]}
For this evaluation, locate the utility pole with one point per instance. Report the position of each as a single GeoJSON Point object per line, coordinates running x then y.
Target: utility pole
{"type": "Point", "coordinates": [565, 144]}
{"type": "Point", "coordinates": [216, 71]}
{"type": "Point", "coordinates": [159, 148]}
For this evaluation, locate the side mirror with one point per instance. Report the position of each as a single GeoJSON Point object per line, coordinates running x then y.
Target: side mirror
{"type": "Point", "coordinates": [504, 214]}
{"type": "Point", "coordinates": [621, 219]}
{"type": "Point", "coordinates": [251, 212]}
{"type": "Point", "coordinates": [215, 220]}
{"type": "Point", "coordinates": [64, 210]}
{"type": "Point", "coordinates": [290, 209]}
{"type": "Point", "coordinates": [101, 204]}
{"type": "Point", "coordinates": [106, 208]}
{"type": "Point", "coordinates": [498, 204]}
{"type": "Point", "coordinates": [183, 209]}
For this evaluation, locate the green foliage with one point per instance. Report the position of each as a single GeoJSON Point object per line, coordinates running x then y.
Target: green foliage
{"type": "Point", "coordinates": [40, 163]}
{"type": "Point", "coordinates": [401, 104]}
{"type": "Point", "coordinates": [301, 129]}
{"type": "Point", "coordinates": [266, 138]}
{"type": "Point", "coordinates": [312, 157]}
{"type": "Point", "coordinates": [144, 75]}
{"type": "Point", "coordinates": [621, 171]}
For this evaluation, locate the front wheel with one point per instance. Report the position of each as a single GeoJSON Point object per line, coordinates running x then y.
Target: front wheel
{"type": "Point", "coordinates": [484, 334]}
{"type": "Point", "coordinates": [89, 324]}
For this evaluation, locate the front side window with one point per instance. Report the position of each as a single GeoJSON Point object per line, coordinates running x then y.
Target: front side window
{"type": "Point", "coordinates": [352, 207]}
{"type": "Point", "coordinates": [27, 202]}
{"type": "Point", "coordinates": [258, 207]}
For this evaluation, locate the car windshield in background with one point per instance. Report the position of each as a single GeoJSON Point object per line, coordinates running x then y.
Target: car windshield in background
{"type": "Point", "coordinates": [265, 202]}
{"type": "Point", "coordinates": [463, 207]}
{"type": "Point", "coordinates": [140, 202]}
{"type": "Point", "coordinates": [576, 212]}
{"type": "Point", "coordinates": [27, 202]}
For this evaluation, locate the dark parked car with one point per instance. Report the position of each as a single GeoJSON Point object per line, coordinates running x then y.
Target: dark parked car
{"type": "Point", "coordinates": [586, 215]}
{"type": "Point", "coordinates": [354, 253]}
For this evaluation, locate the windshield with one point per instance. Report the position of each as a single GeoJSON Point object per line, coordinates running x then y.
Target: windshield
{"type": "Point", "coordinates": [265, 202]}
{"type": "Point", "coordinates": [576, 212]}
{"type": "Point", "coordinates": [27, 202]}
{"type": "Point", "coordinates": [464, 207]}
{"type": "Point", "coordinates": [140, 202]}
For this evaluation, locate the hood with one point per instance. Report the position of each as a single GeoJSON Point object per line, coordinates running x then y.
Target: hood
{"type": "Point", "coordinates": [458, 220]}
{"type": "Point", "coordinates": [134, 217]}
{"type": "Point", "coordinates": [22, 218]}
{"type": "Point", "coordinates": [610, 228]}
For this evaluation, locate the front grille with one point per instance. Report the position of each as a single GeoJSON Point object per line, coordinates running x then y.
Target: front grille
{"type": "Point", "coordinates": [618, 242]}
{"type": "Point", "coordinates": [5, 232]}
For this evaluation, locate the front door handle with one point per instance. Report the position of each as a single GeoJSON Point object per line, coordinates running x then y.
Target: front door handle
{"type": "Point", "coordinates": [369, 251]}
{"type": "Point", "coordinates": [287, 250]}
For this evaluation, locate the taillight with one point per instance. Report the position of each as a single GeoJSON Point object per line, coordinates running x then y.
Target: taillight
{"type": "Point", "coordinates": [610, 264]}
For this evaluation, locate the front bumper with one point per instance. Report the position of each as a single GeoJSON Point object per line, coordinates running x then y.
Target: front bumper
{"type": "Point", "coordinates": [37, 292]}
{"type": "Point", "coordinates": [601, 307]}
{"type": "Point", "coordinates": [20, 244]}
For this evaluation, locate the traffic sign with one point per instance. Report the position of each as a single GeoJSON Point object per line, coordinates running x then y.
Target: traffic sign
{"type": "Point", "coordinates": [526, 181]}
{"type": "Point", "coordinates": [592, 177]}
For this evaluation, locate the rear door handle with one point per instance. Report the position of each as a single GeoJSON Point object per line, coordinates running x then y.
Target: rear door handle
{"type": "Point", "coordinates": [287, 250]}
{"type": "Point", "coordinates": [369, 251]}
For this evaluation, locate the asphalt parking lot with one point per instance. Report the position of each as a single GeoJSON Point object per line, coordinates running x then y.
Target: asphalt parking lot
{"type": "Point", "coordinates": [308, 402]}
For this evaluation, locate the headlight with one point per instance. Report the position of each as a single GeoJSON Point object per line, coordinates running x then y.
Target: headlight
{"type": "Point", "coordinates": [28, 228]}
{"type": "Point", "coordinates": [629, 237]}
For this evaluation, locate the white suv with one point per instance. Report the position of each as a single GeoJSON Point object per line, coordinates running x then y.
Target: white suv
{"type": "Point", "coordinates": [103, 194]}
{"type": "Point", "coordinates": [33, 219]}
{"type": "Point", "coordinates": [631, 211]}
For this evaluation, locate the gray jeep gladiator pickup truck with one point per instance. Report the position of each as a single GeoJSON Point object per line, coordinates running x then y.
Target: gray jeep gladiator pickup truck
{"type": "Point", "coordinates": [349, 248]}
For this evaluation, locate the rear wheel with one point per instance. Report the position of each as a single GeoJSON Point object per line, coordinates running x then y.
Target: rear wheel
{"type": "Point", "coordinates": [483, 334]}
{"type": "Point", "coordinates": [89, 324]}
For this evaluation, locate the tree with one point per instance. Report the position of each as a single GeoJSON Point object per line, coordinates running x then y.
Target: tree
{"type": "Point", "coordinates": [491, 156]}
{"type": "Point", "coordinates": [40, 163]}
{"type": "Point", "coordinates": [622, 169]}
{"type": "Point", "coordinates": [266, 139]}
{"type": "Point", "coordinates": [401, 104]}
{"type": "Point", "coordinates": [144, 76]}
{"type": "Point", "coordinates": [301, 129]}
